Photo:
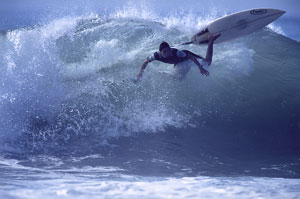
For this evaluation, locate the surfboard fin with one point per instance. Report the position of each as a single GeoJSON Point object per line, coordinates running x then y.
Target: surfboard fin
{"type": "Point", "coordinates": [187, 43]}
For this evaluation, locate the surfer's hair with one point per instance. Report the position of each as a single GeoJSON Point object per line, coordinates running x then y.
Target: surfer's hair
{"type": "Point", "coordinates": [163, 45]}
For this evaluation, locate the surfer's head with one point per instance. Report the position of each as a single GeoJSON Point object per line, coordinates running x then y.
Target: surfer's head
{"type": "Point", "coordinates": [165, 49]}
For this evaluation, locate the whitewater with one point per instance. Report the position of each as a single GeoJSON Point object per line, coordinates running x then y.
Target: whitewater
{"type": "Point", "coordinates": [73, 125]}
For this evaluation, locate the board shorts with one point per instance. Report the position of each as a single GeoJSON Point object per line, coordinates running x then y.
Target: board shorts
{"type": "Point", "coordinates": [182, 68]}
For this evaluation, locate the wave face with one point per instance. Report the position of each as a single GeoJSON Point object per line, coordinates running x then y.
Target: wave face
{"type": "Point", "coordinates": [66, 84]}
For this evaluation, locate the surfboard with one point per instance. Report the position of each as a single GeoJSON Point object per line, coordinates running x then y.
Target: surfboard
{"type": "Point", "coordinates": [237, 25]}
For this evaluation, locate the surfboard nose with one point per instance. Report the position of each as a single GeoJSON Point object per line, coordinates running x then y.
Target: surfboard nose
{"type": "Point", "coordinates": [278, 12]}
{"type": "Point", "coordinates": [281, 12]}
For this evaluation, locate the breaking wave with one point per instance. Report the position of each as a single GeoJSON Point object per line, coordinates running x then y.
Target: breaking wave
{"type": "Point", "coordinates": [69, 80]}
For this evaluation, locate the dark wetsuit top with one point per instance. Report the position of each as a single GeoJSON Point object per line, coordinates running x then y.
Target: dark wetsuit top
{"type": "Point", "coordinates": [176, 57]}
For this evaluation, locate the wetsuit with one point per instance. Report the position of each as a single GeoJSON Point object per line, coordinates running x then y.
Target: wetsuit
{"type": "Point", "coordinates": [176, 57]}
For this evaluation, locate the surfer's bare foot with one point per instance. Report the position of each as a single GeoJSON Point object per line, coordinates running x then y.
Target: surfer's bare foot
{"type": "Point", "coordinates": [212, 38]}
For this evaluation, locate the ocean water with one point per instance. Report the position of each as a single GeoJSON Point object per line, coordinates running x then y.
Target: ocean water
{"type": "Point", "coordinates": [73, 125]}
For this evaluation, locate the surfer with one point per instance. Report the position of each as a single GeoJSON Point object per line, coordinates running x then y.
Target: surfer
{"type": "Point", "coordinates": [174, 56]}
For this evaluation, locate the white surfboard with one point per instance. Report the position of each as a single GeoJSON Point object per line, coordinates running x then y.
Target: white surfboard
{"type": "Point", "coordinates": [237, 25]}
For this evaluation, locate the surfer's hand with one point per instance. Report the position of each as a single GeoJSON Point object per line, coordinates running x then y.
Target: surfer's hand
{"type": "Point", "coordinates": [204, 72]}
{"type": "Point", "coordinates": [138, 78]}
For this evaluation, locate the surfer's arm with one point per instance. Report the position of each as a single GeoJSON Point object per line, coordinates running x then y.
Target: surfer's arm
{"type": "Point", "coordinates": [146, 62]}
{"type": "Point", "coordinates": [202, 70]}
{"type": "Point", "coordinates": [139, 76]}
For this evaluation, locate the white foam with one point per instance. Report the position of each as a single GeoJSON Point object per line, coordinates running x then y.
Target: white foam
{"type": "Point", "coordinates": [276, 28]}
{"type": "Point", "coordinates": [141, 187]}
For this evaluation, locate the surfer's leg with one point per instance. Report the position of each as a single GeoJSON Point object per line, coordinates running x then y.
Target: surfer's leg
{"type": "Point", "coordinates": [209, 51]}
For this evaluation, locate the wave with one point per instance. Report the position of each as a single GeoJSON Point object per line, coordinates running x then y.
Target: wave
{"type": "Point", "coordinates": [69, 80]}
